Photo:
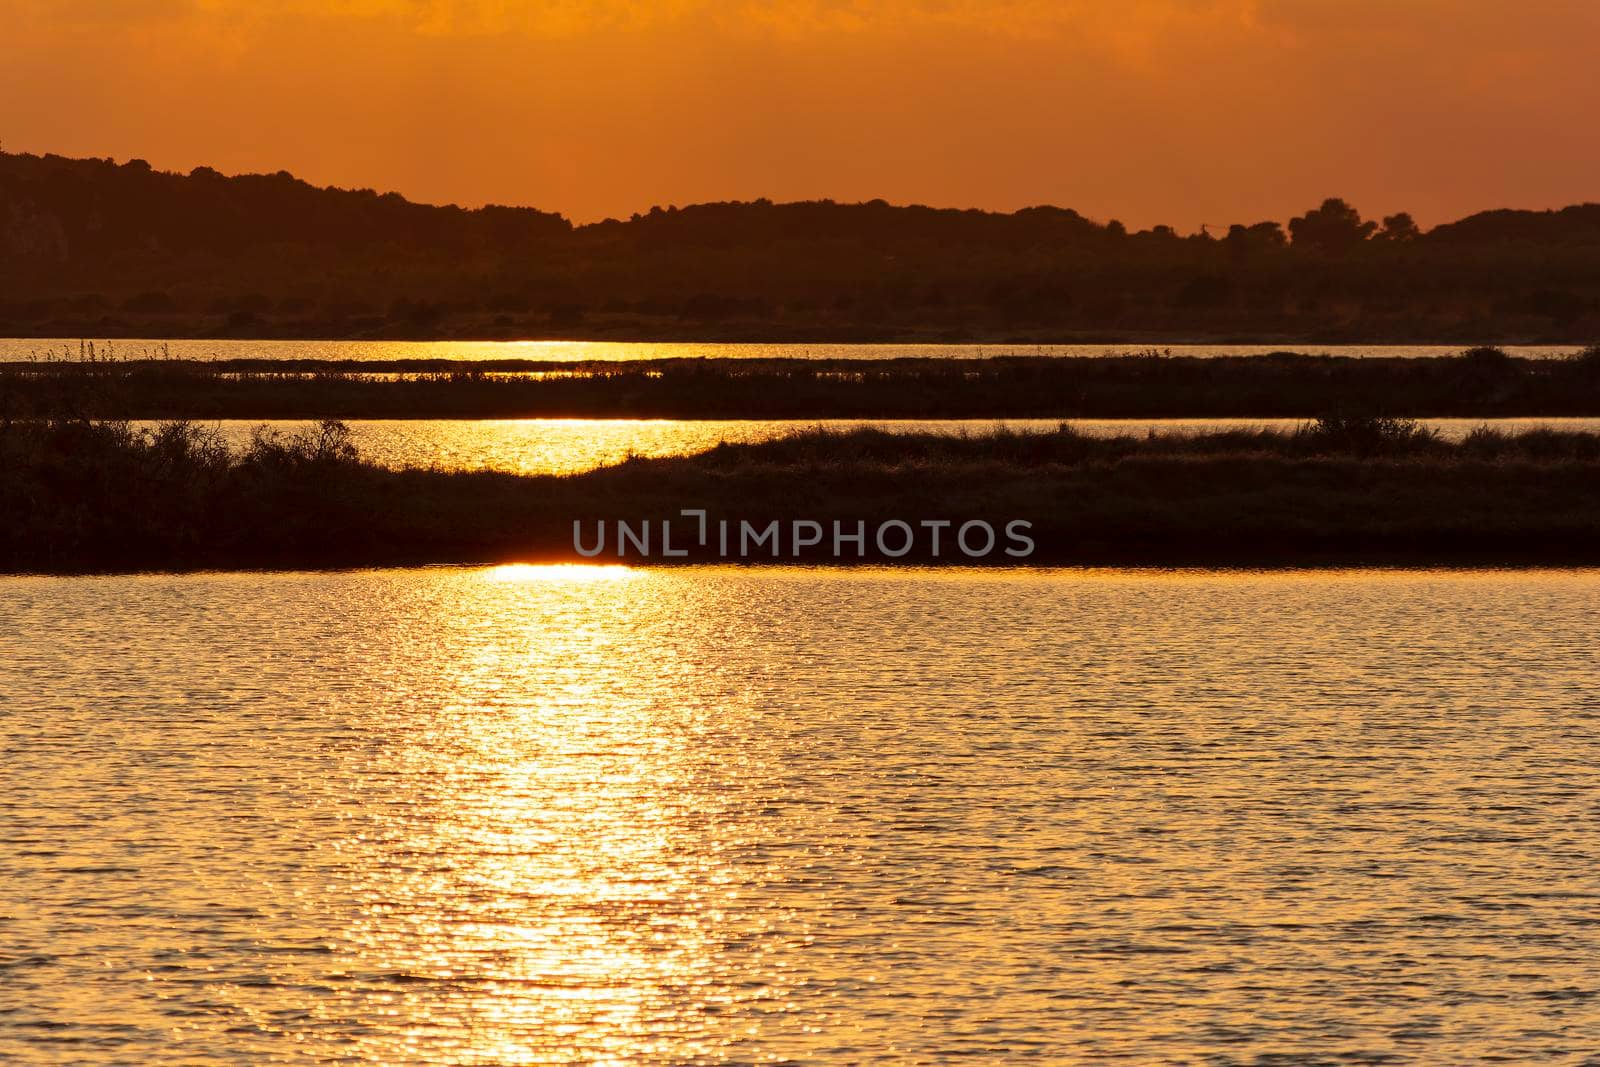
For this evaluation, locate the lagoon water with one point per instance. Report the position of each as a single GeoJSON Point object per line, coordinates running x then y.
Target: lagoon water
{"type": "Point", "coordinates": [569, 446]}
{"type": "Point", "coordinates": [533, 815]}
{"type": "Point", "coordinates": [25, 348]}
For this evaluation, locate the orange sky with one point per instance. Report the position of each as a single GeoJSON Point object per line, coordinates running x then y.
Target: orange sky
{"type": "Point", "coordinates": [1178, 111]}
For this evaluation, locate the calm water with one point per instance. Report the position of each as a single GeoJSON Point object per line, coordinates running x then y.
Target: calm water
{"type": "Point", "coordinates": [27, 348]}
{"type": "Point", "coordinates": [541, 815]}
{"type": "Point", "coordinates": [567, 446]}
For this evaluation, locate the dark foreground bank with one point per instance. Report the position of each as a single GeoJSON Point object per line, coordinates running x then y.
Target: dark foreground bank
{"type": "Point", "coordinates": [1480, 382]}
{"type": "Point", "coordinates": [80, 496]}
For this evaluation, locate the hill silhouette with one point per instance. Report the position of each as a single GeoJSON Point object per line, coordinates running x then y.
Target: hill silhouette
{"type": "Point", "coordinates": [90, 247]}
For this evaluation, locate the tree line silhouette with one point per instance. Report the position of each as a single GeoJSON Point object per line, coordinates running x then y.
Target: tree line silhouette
{"type": "Point", "coordinates": [93, 247]}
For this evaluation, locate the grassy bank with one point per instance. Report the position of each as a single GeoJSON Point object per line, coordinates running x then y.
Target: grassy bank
{"type": "Point", "coordinates": [1481, 382]}
{"type": "Point", "coordinates": [78, 496]}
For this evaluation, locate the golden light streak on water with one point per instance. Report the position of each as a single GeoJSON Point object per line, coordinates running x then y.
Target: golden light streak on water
{"type": "Point", "coordinates": [528, 815]}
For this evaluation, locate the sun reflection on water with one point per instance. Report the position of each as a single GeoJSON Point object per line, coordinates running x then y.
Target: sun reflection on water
{"type": "Point", "coordinates": [531, 815]}
{"type": "Point", "coordinates": [558, 572]}
{"type": "Point", "coordinates": [556, 865]}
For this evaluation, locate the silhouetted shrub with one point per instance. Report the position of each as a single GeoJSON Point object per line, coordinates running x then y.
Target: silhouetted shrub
{"type": "Point", "coordinates": [1367, 434]}
{"type": "Point", "coordinates": [1486, 359]}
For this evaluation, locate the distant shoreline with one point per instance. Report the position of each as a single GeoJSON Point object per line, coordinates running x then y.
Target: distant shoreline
{"type": "Point", "coordinates": [1483, 382]}
{"type": "Point", "coordinates": [99, 249]}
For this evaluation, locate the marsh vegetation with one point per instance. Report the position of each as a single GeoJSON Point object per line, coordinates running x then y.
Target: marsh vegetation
{"type": "Point", "coordinates": [1478, 382]}
{"type": "Point", "coordinates": [86, 495]}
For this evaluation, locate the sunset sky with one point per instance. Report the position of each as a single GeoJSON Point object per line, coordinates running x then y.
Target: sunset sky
{"type": "Point", "coordinates": [1177, 111]}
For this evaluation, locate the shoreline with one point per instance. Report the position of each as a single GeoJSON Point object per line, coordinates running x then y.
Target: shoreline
{"type": "Point", "coordinates": [94, 498]}
{"type": "Point", "coordinates": [1482, 382]}
{"type": "Point", "coordinates": [1332, 563]}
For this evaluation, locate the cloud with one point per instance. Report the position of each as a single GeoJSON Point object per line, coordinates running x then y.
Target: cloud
{"type": "Point", "coordinates": [101, 14]}
{"type": "Point", "coordinates": [1125, 21]}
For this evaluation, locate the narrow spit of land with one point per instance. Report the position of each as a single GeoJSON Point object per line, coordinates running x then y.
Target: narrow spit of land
{"type": "Point", "coordinates": [1480, 382]}
{"type": "Point", "coordinates": [85, 496]}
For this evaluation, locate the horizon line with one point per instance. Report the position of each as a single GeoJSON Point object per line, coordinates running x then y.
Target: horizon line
{"type": "Point", "coordinates": [1203, 228]}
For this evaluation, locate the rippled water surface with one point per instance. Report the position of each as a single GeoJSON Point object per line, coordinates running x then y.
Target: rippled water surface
{"type": "Point", "coordinates": [567, 446]}
{"type": "Point", "coordinates": [21, 348]}
{"type": "Point", "coordinates": [539, 815]}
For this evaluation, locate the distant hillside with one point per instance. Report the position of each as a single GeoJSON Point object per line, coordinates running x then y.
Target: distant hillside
{"type": "Point", "coordinates": [95, 248]}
